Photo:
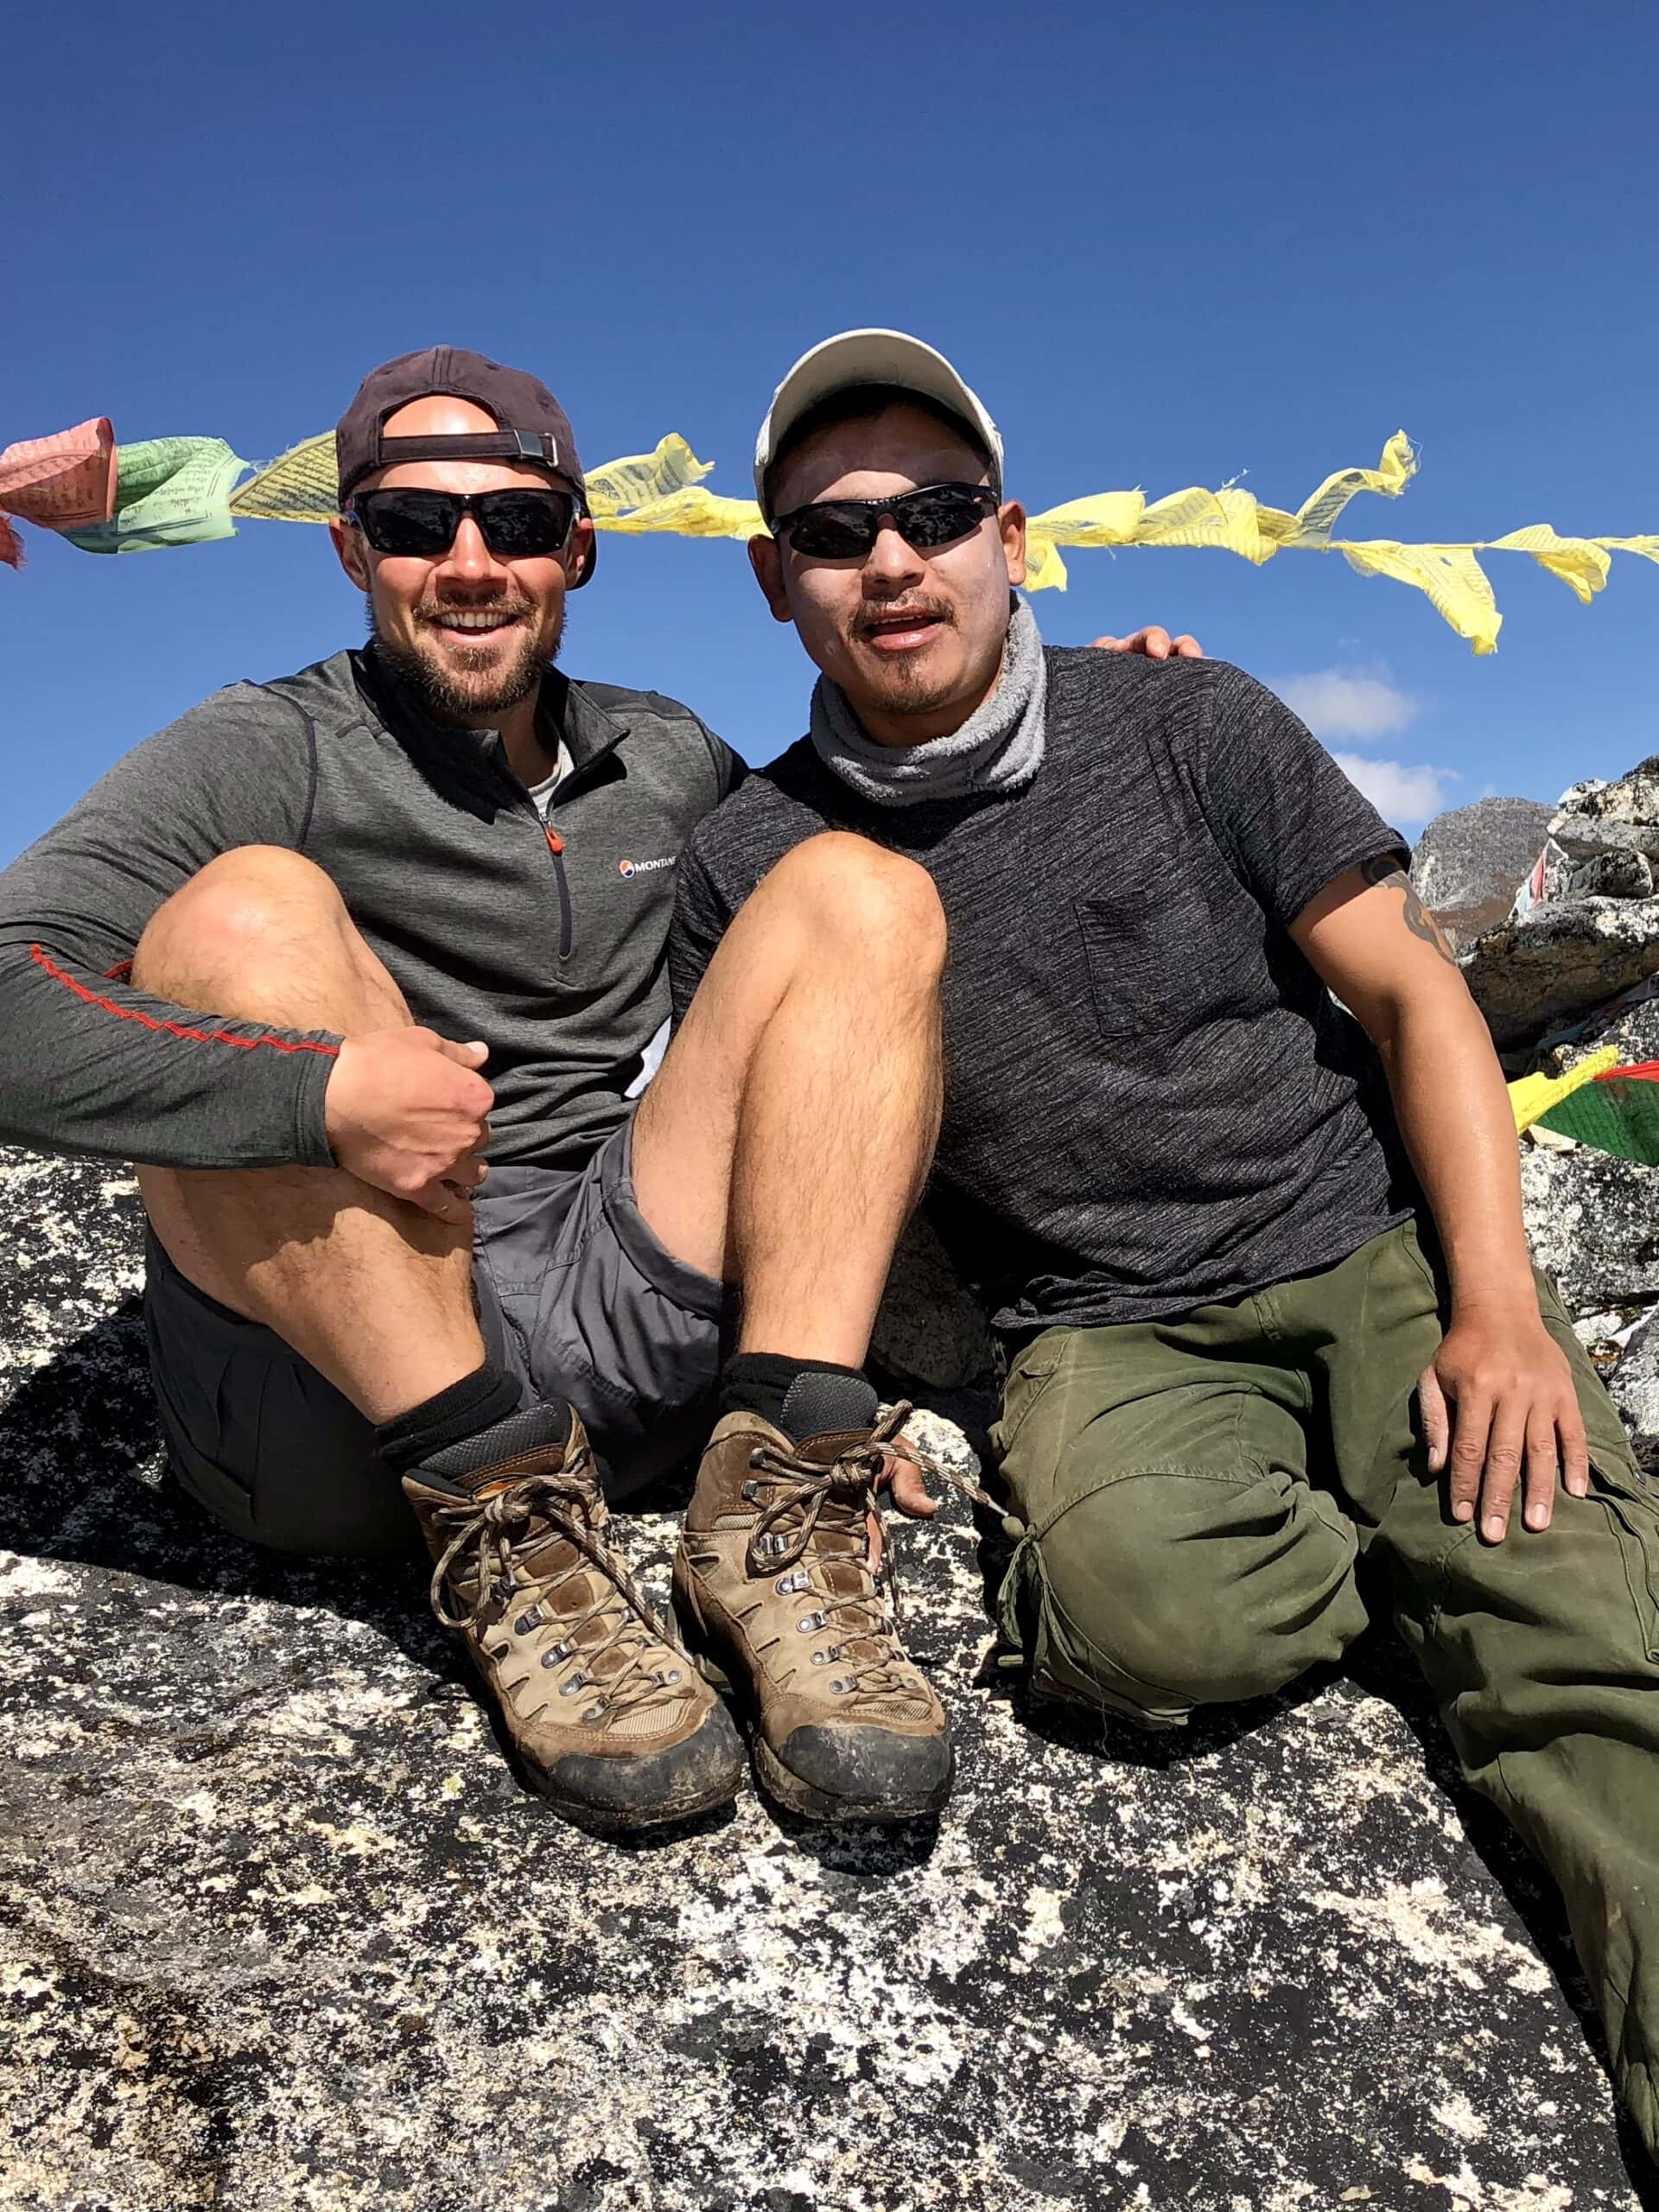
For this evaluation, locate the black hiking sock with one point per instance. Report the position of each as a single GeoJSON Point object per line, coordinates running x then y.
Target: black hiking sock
{"type": "Point", "coordinates": [453, 1416]}
{"type": "Point", "coordinates": [804, 1397]}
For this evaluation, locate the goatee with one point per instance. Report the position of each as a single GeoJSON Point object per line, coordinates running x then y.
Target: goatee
{"type": "Point", "coordinates": [454, 694]}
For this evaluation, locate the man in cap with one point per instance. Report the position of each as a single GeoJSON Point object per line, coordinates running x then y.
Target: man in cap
{"type": "Point", "coordinates": [1260, 1277]}
{"type": "Point", "coordinates": [312, 952]}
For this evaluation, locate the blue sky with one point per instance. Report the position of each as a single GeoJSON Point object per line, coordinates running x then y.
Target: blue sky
{"type": "Point", "coordinates": [1167, 246]}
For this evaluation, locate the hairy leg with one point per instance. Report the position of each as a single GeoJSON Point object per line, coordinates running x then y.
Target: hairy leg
{"type": "Point", "coordinates": [787, 1136]}
{"type": "Point", "coordinates": [374, 1292]}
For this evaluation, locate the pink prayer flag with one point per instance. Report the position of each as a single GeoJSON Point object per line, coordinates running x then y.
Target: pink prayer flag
{"type": "Point", "coordinates": [11, 546]}
{"type": "Point", "coordinates": [63, 482]}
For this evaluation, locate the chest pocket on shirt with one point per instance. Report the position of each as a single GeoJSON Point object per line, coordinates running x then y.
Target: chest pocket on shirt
{"type": "Point", "coordinates": [1157, 967]}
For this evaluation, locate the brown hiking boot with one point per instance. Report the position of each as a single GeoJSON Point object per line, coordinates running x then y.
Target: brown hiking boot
{"type": "Point", "coordinates": [772, 1580]}
{"type": "Point", "coordinates": [610, 1718]}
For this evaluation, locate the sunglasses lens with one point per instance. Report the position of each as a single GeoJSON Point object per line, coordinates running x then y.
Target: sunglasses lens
{"type": "Point", "coordinates": [418, 525]}
{"type": "Point", "coordinates": [831, 533]}
{"type": "Point", "coordinates": [938, 515]}
{"type": "Point", "coordinates": [421, 525]}
{"type": "Point", "coordinates": [524, 525]}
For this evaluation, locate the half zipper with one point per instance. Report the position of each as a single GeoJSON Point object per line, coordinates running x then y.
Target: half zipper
{"type": "Point", "coordinates": [556, 846]}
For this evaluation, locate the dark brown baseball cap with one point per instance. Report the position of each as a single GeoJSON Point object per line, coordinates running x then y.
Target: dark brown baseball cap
{"type": "Point", "coordinates": [534, 428]}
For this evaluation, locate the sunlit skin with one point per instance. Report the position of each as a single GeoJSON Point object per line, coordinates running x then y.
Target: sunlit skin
{"type": "Point", "coordinates": [476, 679]}
{"type": "Point", "coordinates": [914, 639]}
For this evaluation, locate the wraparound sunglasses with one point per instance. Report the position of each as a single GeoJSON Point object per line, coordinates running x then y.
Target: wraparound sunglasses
{"type": "Point", "coordinates": [838, 530]}
{"type": "Point", "coordinates": [515, 525]}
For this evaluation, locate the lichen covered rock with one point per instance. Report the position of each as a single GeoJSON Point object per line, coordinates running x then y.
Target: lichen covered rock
{"type": "Point", "coordinates": [280, 1933]}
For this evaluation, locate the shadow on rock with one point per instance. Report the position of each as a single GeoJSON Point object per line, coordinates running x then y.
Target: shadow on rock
{"type": "Point", "coordinates": [80, 1446]}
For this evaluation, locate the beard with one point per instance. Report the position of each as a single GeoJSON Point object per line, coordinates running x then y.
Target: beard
{"type": "Point", "coordinates": [458, 686]}
{"type": "Point", "coordinates": [907, 685]}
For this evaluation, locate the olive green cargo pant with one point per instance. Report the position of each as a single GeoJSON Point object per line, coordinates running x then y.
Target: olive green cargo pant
{"type": "Point", "coordinates": [1196, 1492]}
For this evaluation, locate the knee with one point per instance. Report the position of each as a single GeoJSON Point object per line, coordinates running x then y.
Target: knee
{"type": "Point", "coordinates": [1164, 1591]}
{"type": "Point", "coordinates": [858, 895]}
{"type": "Point", "coordinates": [239, 912]}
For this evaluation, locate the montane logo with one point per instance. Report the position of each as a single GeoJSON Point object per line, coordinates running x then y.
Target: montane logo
{"type": "Point", "coordinates": [642, 867]}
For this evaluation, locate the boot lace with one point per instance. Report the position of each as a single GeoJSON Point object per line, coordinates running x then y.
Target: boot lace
{"type": "Point", "coordinates": [489, 1533]}
{"type": "Point", "coordinates": [787, 1522]}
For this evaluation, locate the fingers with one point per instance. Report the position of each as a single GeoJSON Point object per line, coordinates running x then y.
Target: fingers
{"type": "Point", "coordinates": [1542, 1468]}
{"type": "Point", "coordinates": [1155, 642]}
{"type": "Point", "coordinates": [1437, 1428]}
{"type": "Point", "coordinates": [1506, 1439]}
{"type": "Point", "coordinates": [472, 1055]}
{"type": "Point", "coordinates": [443, 1201]}
{"type": "Point", "coordinates": [1468, 1454]}
{"type": "Point", "coordinates": [468, 1174]}
{"type": "Point", "coordinates": [910, 1494]}
{"type": "Point", "coordinates": [1575, 1449]}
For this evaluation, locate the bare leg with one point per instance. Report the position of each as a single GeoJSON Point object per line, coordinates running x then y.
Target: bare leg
{"type": "Point", "coordinates": [788, 1134]}
{"type": "Point", "coordinates": [375, 1293]}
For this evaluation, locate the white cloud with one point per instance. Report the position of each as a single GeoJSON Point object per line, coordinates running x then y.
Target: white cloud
{"type": "Point", "coordinates": [1336, 703]}
{"type": "Point", "coordinates": [1404, 795]}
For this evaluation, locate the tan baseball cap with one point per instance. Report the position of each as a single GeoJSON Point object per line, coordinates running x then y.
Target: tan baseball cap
{"type": "Point", "coordinates": [855, 357]}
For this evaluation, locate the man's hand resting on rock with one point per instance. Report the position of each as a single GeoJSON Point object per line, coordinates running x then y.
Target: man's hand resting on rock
{"type": "Point", "coordinates": [1497, 1400]}
{"type": "Point", "coordinates": [407, 1111]}
{"type": "Point", "coordinates": [1155, 643]}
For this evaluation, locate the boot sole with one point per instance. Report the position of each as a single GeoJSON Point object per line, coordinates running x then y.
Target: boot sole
{"type": "Point", "coordinates": [786, 1788]}
{"type": "Point", "coordinates": [781, 1783]}
{"type": "Point", "coordinates": [580, 1812]}
{"type": "Point", "coordinates": [606, 1820]}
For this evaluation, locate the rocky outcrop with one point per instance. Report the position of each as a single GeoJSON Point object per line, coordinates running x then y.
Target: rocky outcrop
{"type": "Point", "coordinates": [1469, 861]}
{"type": "Point", "coordinates": [279, 1933]}
{"type": "Point", "coordinates": [1634, 1383]}
{"type": "Point", "coordinates": [1593, 1222]}
{"type": "Point", "coordinates": [1561, 960]}
{"type": "Point", "coordinates": [1594, 933]}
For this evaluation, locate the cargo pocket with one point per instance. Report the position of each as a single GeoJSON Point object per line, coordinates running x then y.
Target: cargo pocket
{"type": "Point", "coordinates": [1634, 1512]}
{"type": "Point", "coordinates": [1028, 1378]}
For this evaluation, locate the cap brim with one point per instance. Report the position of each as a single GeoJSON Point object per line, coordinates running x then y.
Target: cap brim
{"type": "Point", "coordinates": [857, 357]}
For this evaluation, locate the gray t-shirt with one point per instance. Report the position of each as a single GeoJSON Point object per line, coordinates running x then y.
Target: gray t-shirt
{"type": "Point", "coordinates": [1151, 1100]}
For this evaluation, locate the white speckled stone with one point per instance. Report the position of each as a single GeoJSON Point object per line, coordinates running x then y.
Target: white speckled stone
{"type": "Point", "coordinates": [279, 1933]}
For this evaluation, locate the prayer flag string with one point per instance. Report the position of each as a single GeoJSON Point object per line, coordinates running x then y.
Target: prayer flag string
{"type": "Point", "coordinates": [110, 499]}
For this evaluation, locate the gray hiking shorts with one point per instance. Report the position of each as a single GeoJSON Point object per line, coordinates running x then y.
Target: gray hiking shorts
{"type": "Point", "coordinates": [576, 1296]}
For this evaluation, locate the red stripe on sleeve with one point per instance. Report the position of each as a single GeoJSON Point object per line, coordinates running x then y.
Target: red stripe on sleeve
{"type": "Point", "coordinates": [172, 1028]}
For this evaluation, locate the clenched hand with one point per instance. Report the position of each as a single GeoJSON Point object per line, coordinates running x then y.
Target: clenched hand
{"type": "Point", "coordinates": [1498, 1404]}
{"type": "Point", "coordinates": [407, 1111]}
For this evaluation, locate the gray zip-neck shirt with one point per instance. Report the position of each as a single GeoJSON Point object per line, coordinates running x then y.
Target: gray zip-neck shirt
{"type": "Point", "coordinates": [547, 940]}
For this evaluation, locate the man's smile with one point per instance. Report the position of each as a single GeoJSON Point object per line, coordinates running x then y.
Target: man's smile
{"type": "Point", "coordinates": [904, 630]}
{"type": "Point", "coordinates": [467, 625]}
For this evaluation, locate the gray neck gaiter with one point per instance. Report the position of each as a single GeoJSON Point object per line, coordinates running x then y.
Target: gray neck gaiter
{"type": "Point", "coordinates": [998, 748]}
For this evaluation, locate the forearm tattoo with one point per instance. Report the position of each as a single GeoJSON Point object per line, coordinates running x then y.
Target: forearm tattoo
{"type": "Point", "coordinates": [1422, 923]}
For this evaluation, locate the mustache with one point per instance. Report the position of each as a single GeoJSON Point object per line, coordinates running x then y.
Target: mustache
{"type": "Point", "coordinates": [898, 610]}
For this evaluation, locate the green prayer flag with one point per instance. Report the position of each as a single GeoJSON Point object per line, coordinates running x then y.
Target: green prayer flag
{"type": "Point", "coordinates": [169, 491]}
{"type": "Point", "coordinates": [1616, 1115]}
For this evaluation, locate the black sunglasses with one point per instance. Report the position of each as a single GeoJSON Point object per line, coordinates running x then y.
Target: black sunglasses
{"type": "Point", "coordinates": [837, 530]}
{"type": "Point", "coordinates": [515, 525]}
